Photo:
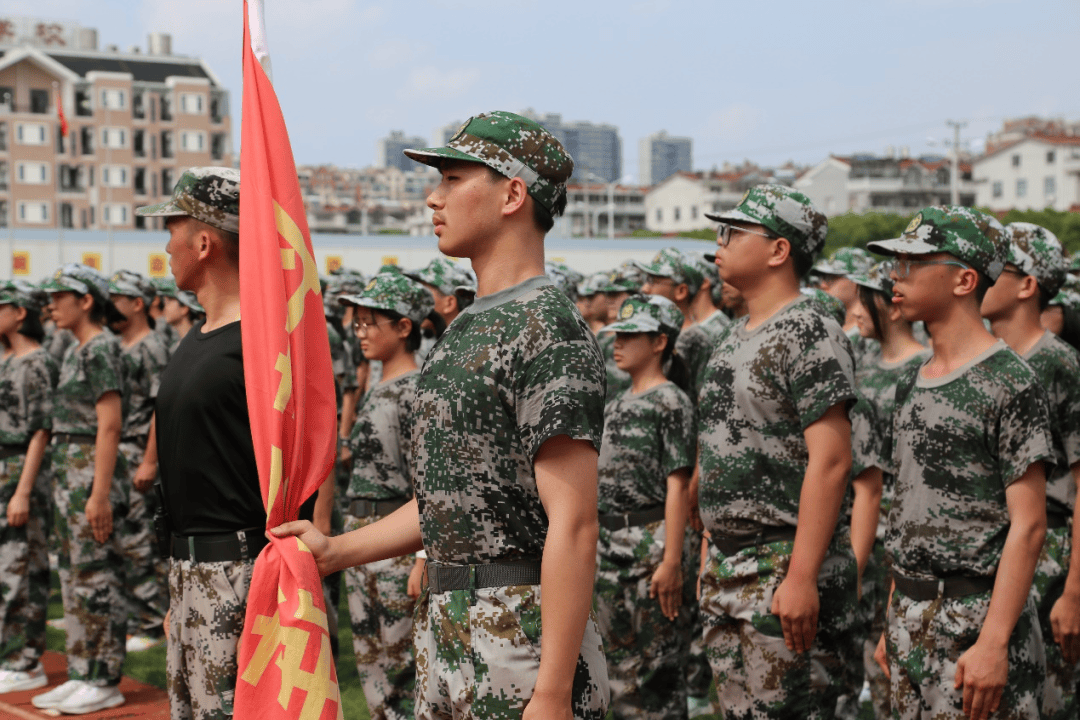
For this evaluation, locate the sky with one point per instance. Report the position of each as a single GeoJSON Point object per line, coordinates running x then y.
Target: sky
{"type": "Point", "coordinates": [765, 80]}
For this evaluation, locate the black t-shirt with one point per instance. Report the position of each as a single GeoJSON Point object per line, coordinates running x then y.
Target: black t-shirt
{"type": "Point", "coordinates": [205, 453]}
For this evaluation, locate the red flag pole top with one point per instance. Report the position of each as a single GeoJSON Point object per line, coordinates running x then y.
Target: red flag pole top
{"type": "Point", "coordinates": [286, 669]}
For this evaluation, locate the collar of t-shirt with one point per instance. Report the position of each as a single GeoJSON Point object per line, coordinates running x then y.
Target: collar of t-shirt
{"type": "Point", "coordinates": [503, 296]}
{"type": "Point", "coordinates": [744, 333]}
{"type": "Point", "coordinates": [923, 382]}
{"type": "Point", "coordinates": [1041, 343]}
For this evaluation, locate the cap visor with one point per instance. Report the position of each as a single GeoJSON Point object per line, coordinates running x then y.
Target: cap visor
{"type": "Point", "coordinates": [165, 209]}
{"type": "Point", "coordinates": [733, 215]}
{"type": "Point", "coordinates": [646, 324]}
{"type": "Point", "coordinates": [902, 246]}
{"type": "Point", "coordinates": [435, 156]}
{"type": "Point", "coordinates": [709, 258]}
{"type": "Point", "coordinates": [55, 285]}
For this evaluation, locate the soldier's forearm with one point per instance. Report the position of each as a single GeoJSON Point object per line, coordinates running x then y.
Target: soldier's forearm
{"type": "Point", "coordinates": [35, 453]}
{"type": "Point", "coordinates": [1072, 580]}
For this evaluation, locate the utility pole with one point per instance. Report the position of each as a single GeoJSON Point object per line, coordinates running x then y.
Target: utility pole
{"type": "Point", "coordinates": [955, 175]}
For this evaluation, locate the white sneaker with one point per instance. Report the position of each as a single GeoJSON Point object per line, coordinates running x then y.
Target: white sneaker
{"type": "Point", "coordinates": [20, 680]}
{"type": "Point", "coordinates": [91, 698]}
{"type": "Point", "coordinates": [138, 643]}
{"type": "Point", "coordinates": [53, 698]}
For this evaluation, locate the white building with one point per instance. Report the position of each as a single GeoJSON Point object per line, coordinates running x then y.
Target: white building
{"type": "Point", "coordinates": [679, 203]}
{"type": "Point", "coordinates": [1036, 172]}
{"type": "Point", "coordinates": [589, 208]}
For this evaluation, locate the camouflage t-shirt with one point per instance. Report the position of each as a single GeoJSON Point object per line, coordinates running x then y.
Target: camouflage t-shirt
{"type": "Point", "coordinates": [1057, 366]}
{"type": "Point", "coordinates": [694, 345]}
{"type": "Point", "coordinates": [58, 343]}
{"type": "Point", "coordinates": [762, 388]}
{"type": "Point", "coordinates": [618, 381]}
{"type": "Point", "coordinates": [380, 439]}
{"type": "Point", "coordinates": [877, 381]}
{"type": "Point", "coordinates": [715, 324]}
{"type": "Point", "coordinates": [647, 437]}
{"type": "Point", "coordinates": [865, 350]}
{"type": "Point", "coordinates": [515, 369]}
{"type": "Point", "coordinates": [87, 373]}
{"type": "Point", "coordinates": [26, 395]}
{"type": "Point", "coordinates": [143, 363]}
{"type": "Point", "coordinates": [959, 441]}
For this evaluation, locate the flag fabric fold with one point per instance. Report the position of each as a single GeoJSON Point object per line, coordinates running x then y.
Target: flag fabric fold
{"type": "Point", "coordinates": [285, 667]}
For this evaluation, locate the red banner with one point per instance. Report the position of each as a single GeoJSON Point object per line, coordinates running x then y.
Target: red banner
{"type": "Point", "coordinates": [286, 669]}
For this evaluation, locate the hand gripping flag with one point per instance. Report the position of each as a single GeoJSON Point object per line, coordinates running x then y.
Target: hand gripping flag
{"type": "Point", "coordinates": [285, 668]}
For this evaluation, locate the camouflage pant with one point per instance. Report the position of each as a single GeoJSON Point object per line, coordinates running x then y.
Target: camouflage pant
{"type": "Point", "coordinates": [646, 652]}
{"type": "Point", "coordinates": [24, 570]}
{"type": "Point", "coordinates": [756, 675]}
{"type": "Point", "coordinates": [1049, 583]}
{"type": "Point", "coordinates": [926, 638]}
{"type": "Point", "coordinates": [855, 671]}
{"type": "Point", "coordinates": [697, 674]}
{"type": "Point", "coordinates": [147, 590]}
{"type": "Point", "coordinates": [91, 573]}
{"type": "Point", "coordinates": [478, 652]}
{"type": "Point", "coordinates": [876, 583]}
{"type": "Point", "coordinates": [207, 603]}
{"type": "Point", "coordinates": [381, 612]}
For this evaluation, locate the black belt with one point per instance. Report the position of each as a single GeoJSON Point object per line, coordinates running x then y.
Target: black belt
{"type": "Point", "coordinates": [366, 508]}
{"type": "Point", "coordinates": [239, 545]}
{"type": "Point", "coordinates": [7, 451]}
{"type": "Point", "coordinates": [139, 440]}
{"type": "Point", "coordinates": [953, 587]}
{"type": "Point", "coordinates": [731, 544]}
{"type": "Point", "coordinates": [1055, 520]}
{"type": "Point", "coordinates": [633, 519]}
{"type": "Point", "coordinates": [442, 578]}
{"type": "Point", "coordinates": [73, 438]}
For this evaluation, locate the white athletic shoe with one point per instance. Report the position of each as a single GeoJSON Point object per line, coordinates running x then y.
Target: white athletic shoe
{"type": "Point", "coordinates": [138, 643]}
{"type": "Point", "coordinates": [20, 680]}
{"type": "Point", "coordinates": [91, 698]}
{"type": "Point", "coordinates": [53, 698]}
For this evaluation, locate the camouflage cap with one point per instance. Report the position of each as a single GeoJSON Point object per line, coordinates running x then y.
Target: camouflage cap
{"type": "Point", "coordinates": [845, 261]}
{"type": "Point", "coordinates": [706, 265]}
{"type": "Point", "coordinates": [784, 211]}
{"type": "Point", "coordinates": [84, 280]}
{"type": "Point", "coordinates": [209, 194]}
{"type": "Point", "coordinates": [394, 292]}
{"type": "Point", "coordinates": [672, 263]}
{"type": "Point", "coordinates": [876, 278]}
{"type": "Point", "coordinates": [647, 313]}
{"type": "Point", "coordinates": [1074, 263]}
{"type": "Point", "coordinates": [21, 293]}
{"type": "Point", "coordinates": [628, 277]}
{"type": "Point", "coordinates": [593, 284]}
{"type": "Point", "coordinates": [563, 278]}
{"type": "Point", "coordinates": [166, 287]}
{"type": "Point", "coordinates": [1036, 251]}
{"type": "Point", "coordinates": [1069, 294]}
{"type": "Point", "coordinates": [444, 274]}
{"type": "Point", "coordinates": [131, 284]}
{"type": "Point", "coordinates": [826, 303]}
{"type": "Point", "coordinates": [967, 234]}
{"type": "Point", "coordinates": [514, 146]}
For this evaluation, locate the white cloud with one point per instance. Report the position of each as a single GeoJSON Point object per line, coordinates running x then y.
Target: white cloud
{"type": "Point", "coordinates": [432, 83]}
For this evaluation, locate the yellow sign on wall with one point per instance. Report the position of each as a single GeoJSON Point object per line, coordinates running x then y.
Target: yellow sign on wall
{"type": "Point", "coordinates": [92, 259]}
{"type": "Point", "coordinates": [157, 264]}
{"type": "Point", "coordinates": [389, 260]}
{"type": "Point", "coordinates": [20, 262]}
{"type": "Point", "coordinates": [333, 263]}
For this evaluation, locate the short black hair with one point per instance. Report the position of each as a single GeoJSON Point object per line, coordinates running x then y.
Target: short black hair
{"type": "Point", "coordinates": [802, 262]}
{"type": "Point", "coordinates": [31, 326]}
{"type": "Point", "coordinates": [982, 286]}
{"type": "Point", "coordinates": [868, 296]}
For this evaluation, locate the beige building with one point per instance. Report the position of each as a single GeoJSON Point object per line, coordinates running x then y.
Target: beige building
{"type": "Point", "coordinates": [135, 120]}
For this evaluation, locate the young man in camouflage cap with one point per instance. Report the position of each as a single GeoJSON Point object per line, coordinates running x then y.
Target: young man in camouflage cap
{"type": "Point", "coordinates": [971, 435]}
{"type": "Point", "coordinates": [180, 311]}
{"type": "Point", "coordinates": [835, 273]}
{"type": "Point", "coordinates": [509, 415]}
{"type": "Point", "coordinates": [778, 592]}
{"type": "Point", "coordinates": [441, 276]}
{"type": "Point", "coordinates": [145, 356]}
{"type": "Point", "coordinates": [591, 302]}
{"type": "Point", "coordinates": [1034, 273]}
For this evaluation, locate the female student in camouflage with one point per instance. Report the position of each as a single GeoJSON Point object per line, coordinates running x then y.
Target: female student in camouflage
{"type": "Point", "coordinates": [644, 467]}
{"type": "Point", "coordinates": [386, 318]}
{"type": "Point", "coordinates": [27, 379]}
{"type": "Point", "coordinates": [88, 493]}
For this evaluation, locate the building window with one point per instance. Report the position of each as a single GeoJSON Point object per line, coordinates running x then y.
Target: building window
{"type": "Point", "coordinates": [678, 214]}
{"type": "Point", "coordinates": [115, 138]}
{"type": "Point", "coordinates": [33, 212]}
{"type": "Point", "coordinates": [192, 141]}
{"type": "Point", "coordinates": [31, 133]}
{"type": "Point", "coordinates": [659, 215]}
{"type": "Point", "coordinates": [998, 188]}
{"type": "Point", "coordinates": [166, 144]}
{"type": "Point", "coordinates": [3, 175]}
{"type": "Point", "coordinates": [218, 108]}
{"type": "Point", "coordinates": [217, 146]}
{"type": "Point", "coordinates": [3, 136]}
{"type": "Point", "coordinates": [114, 176]}
{"type": "Point", "coordinates": [1050, 186]}
{"type": "Point", "coordinates": [139, 181]}
{"type": "Point", "coordinates": [693, 212]}
{"type": "Point", "coordinates": [1021, 188]}
{"type": "Point", "coordinates": [191, 103]}
{"type": "Point", "coordinates": [115, 214]}
{"type": "Point", "coordinates": [70, 178]}
{"type": "Point", "coordinates": [7, 99]}
{"type": "Point", "coordinates": [113, 99]}
{"type": "Point", "coordinates": [166, 181]}
{"type": "Point", "coordinates": [138, 143]}
{"type": "Point", "coordinates": [1049, 157]}
{"type": "Point", "coordinates": [166, 108]}
{"type": "Point", "coordinates": [86, 139]}
{"type": "Point", "coordinates": [32, 173]}
{"type": "Point", "coordinates": [39, 101]}
{"type": "Point", "coordinates": [138, 105]}
{"type": "Point", "coordinates": [1016, 160]}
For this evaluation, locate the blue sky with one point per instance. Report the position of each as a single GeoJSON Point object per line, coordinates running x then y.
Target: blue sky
{"type": "Point", "coordinates": [768, 81]}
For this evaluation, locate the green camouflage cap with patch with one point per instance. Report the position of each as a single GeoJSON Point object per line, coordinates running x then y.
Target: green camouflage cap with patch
{"type": "Point", "coordinates": [845, 261]}
{"type": "Point", "coordinates": [209, 194]}
{"type": "Point", "coordinates": [826, 303]}
{"type": "Point", "coordinates": [563, 277]}
{"type": "Point", "coordinates": [1036, 251]}
{"type": "Point", "coordinates": [131, 284]}
{"type": "Point", "coordinates": [166, 287]}
{"type": "Point", "coordinates": [21, 293]}
{"type": "Point", "coordinates": [444, 274]}
{"type": "Point", "coordinates": [786, 212]}
{"type": "Point", "coordinates": [593, 284]}
{"type": "Point", "coordinates": [647, 313]}
{"type": "Point", "coordinates": [84, 280]}
{"type": "Point", "coordinates": [512, 145]}
{"type": "Point", "coordinates": [1069, 294]}
{"type": "Point", "coordinates": [876, 278]}
{"type": "Point", "coordinates": [394, 292]}
{"type": "Point", "coordinates": [967, 234]}
{"type": "Point", "coordinates": [628, 277]}
{"type": "Point", "coordinates": [672, 263]}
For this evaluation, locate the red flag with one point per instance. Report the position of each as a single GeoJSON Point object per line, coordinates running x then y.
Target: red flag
{"type": "Point", "coordinates": [285, 669]}
{"type": "Point", "coordinates": [60, 114]}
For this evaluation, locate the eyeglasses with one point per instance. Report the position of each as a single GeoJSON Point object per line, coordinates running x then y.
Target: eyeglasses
{"type": "Point", "coordinates": [723, 233]}
{"type": "Point", "coordinates": [1014, 271]}
{"type": "Point", "coordinates": [363, 327]}
{"type": "Point", "coordinates": [902, 268]}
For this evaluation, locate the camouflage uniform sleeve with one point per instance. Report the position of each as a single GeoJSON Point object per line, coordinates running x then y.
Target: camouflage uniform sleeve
{"type": "Point", "coordinates": [866, 437]}
{"type": "Point", "coordinates": [822, 374]}
{"type": "Point", "coordinates": [1024, 433]}
{"type": "Point", "coordinates": [157, 357]}
{"type": "Point", "coordinates": [1070, 413]}
{"type": "Point", "coordinates": [677, 434]}
{"type": "Point", "coordinates": [103, 371]}
{"type": "Point", "coordinates": [41, 381]}
{"type": "Point", "coordinates": [561, 392]}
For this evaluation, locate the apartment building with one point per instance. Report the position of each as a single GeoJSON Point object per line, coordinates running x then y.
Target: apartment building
{"type": "Point", "coordinates": [1033, 172]}
{"type": "Point", "coordinates": [134, 121]}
